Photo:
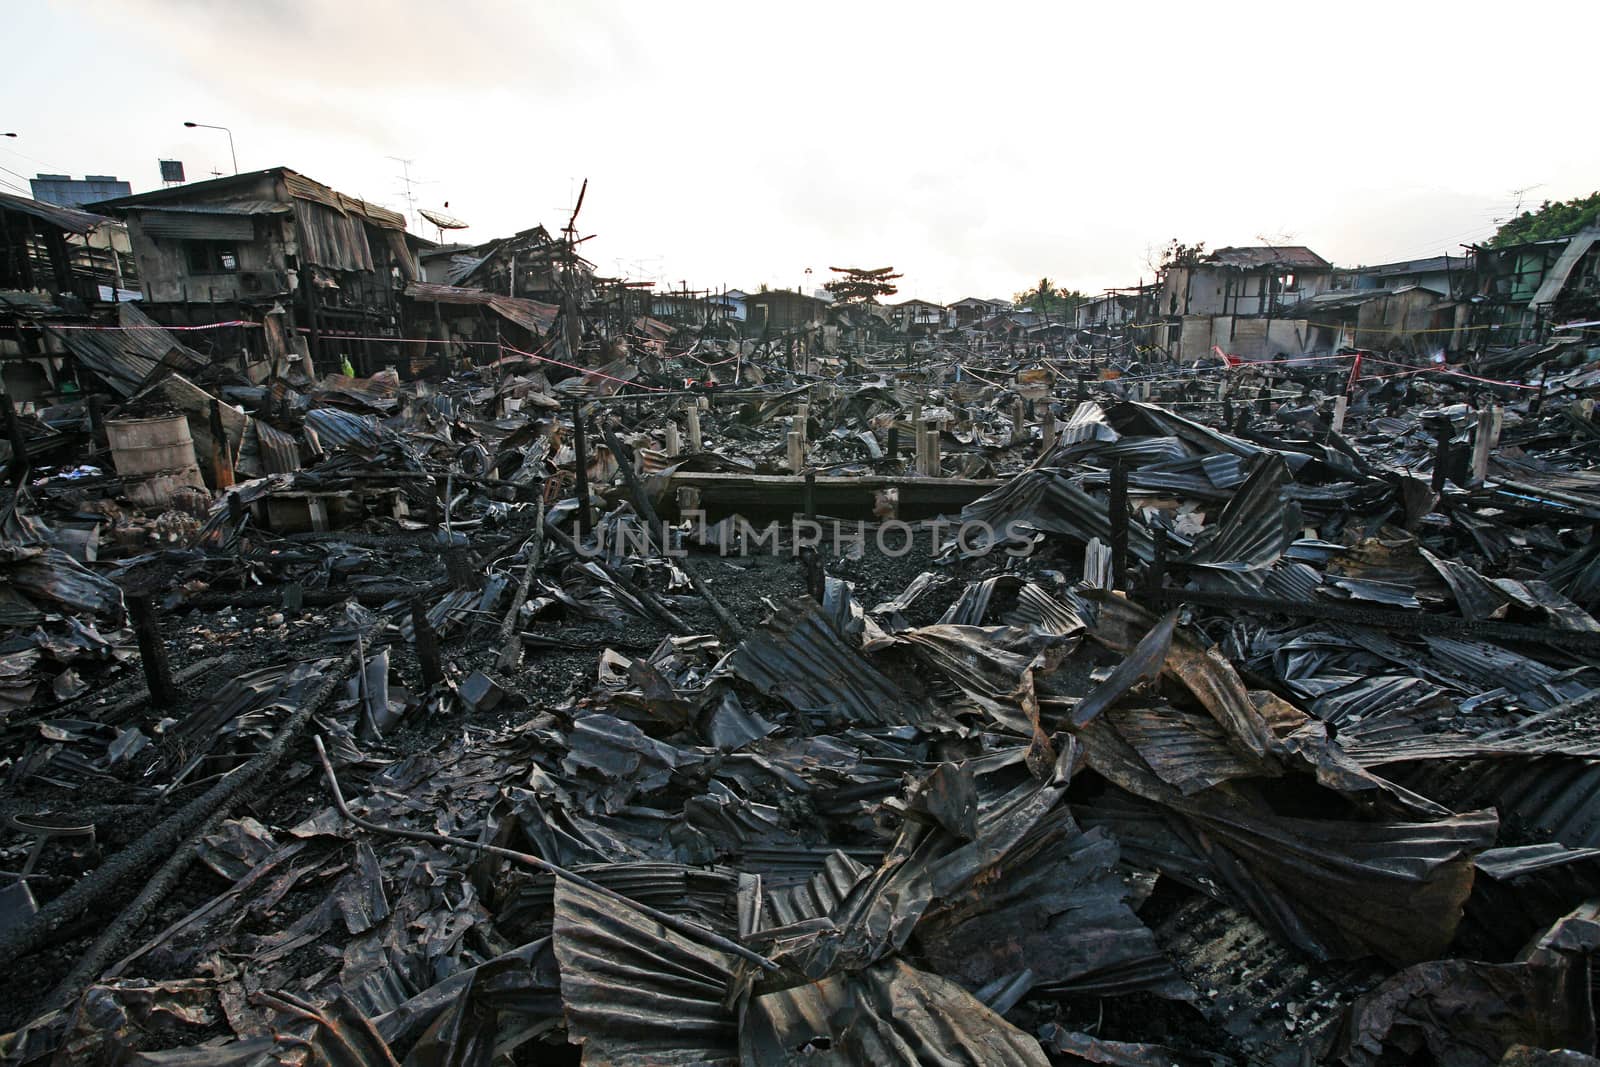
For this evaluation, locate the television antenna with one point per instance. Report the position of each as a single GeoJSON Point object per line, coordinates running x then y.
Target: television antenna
{"type": "Point", "coordinates": [409, 196]}
{"type": "Point", "coordinates": [1519, 194]}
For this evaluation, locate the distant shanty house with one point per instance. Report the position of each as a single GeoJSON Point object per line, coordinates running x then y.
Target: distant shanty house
{"type": "Point", "coordinates": [1408, 318]}
{"type": "Point", "coordinates": [690, 307]}
{"type": "Point", "coordinates": [1237, 299]}
{"type": "Point", "coordinates": [918, 316]}
{"type": "Point", "coordinates": [528, 264]}
{"type": "Point", "coordinates": [1244, 281]}
{"type": "Point", "coordinates": [239, 246]}
{"type": "Point", "coordinates": [970, 311]}
{"type": "Point", "coordinates": [782, 310]}
{"type": "Point", "coordinates": [1439, 274]}
{"type": "Point", "coordinates": [1117, 307]}
{"type": "Point", "coordinates": [1522, 288]}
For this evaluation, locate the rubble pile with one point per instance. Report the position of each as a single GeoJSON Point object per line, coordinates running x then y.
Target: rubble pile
{"type": "Point", "coordinates": [960, 705]}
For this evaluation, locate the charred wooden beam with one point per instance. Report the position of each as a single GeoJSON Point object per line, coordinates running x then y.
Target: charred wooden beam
{"type": "Point", "coordinates": [152, 651]}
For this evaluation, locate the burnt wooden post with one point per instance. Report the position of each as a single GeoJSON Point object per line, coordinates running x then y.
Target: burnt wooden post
{"type": "Point", "coordinates": [580, 449]}
{"type": "Point", "coordinates": [809, 500]}
{"type": "Point", "coordinates": [457, 568]}
{"type": "Point", "coordinates": [1083, 387]}
{"type": "Point", "coordinates": [1441, 458]}
{"type": "Point", "coordinates": [221, 460]}
{"type": "Point", "coordinates": [1119, 524]}
{"type": "Point", "coordinates": [427, 644]}
{"type": "Point", "coordinates": [816, 576]}
{"type": "Point", "coordinates": [19, 441]}
{"type": "Point", "coordinates": [443, 350]}
{"type": "Point", "coordinates": [97, 418]}
{"type": "Point", "coordinates": [152, 651]}
{"type": "Point", "coordinates": [892, 447]}
{"type": "Point", "coordinates": [1156, 577]}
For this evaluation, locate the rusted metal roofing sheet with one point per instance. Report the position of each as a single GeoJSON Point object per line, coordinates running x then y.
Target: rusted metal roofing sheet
{"type": "Point", "coordinates": [302, 188]}
{"type": "Point", "coordinates": [331, 238]}
{"type": "Point", "coordinates": [535, 316]}
{"type": "Point", "coordinates": [64, 218]}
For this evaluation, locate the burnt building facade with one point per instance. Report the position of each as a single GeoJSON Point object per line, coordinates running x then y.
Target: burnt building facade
{"type": "Point", "coordinates": [246, 245]}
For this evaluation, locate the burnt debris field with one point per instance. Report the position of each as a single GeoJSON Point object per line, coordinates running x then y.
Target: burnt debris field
{"type": "Point", "coordinates": [700, 701]}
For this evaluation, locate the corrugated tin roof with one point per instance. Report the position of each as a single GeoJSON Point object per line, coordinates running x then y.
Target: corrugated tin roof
{"type": "Point", "coordinates": [1268, 256]}
{"type": "Point", "coordinates": [61, 217]}
{"type": "Point", "coordinates": [304, 188]}
{"type": "Point", "coordinates": [297, 185]}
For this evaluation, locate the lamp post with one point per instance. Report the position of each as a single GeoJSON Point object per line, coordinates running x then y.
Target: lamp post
{"type": "Point", "coordinates": [224, 129]}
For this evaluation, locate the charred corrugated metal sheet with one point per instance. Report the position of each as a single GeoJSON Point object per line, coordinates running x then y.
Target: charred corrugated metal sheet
{"type": "Point", "coordinates": [1277, 1005]}
{"type": "Point", "coordinates": [798, 657]}
{"type": "Point", "coordinates": [637, 994]}
{"type": "Point", "coordinates": [1256, 527]}
{"type": "Point", "coordinates": [267, 450]}
{"type": "Point", "coordinates": [818, 896]}
{"type": "Point", "coordinates": [127, 358]}
{"type": "Point", "coordinates": [1057, 907]}
{"type": "Point", "coordinates": [331, 429]}
{"type": "Point", "coordinates": [1552, 798]}
{"type": "Point", "coordinates": [1338, 889]}
{"type": "Point", "coordinates": [1045, 500]}
{"type": "Point", "coordinates": [890, 1013]}
{"type": "Point", "coordinates": [50, 577]}
{"type": "Point", "coordinates": [1520, 891]}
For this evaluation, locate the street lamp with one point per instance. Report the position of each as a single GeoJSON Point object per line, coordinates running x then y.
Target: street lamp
{"type": "Point", "coordinates": [224, 129]}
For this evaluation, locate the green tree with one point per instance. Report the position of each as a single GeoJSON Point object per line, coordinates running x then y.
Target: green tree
{"type": "Point", "coordinates": [1553, 219]}
{"type": "Point", "coordinates": [857, 286]}
{"type": "Point", "coordinates": [1048, 299]}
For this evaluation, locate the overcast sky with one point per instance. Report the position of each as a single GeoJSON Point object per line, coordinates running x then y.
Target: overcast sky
{"type": "Point", "coordinates": [974, 146]}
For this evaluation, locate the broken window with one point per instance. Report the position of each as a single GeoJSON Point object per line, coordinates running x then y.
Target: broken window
{"type": "Point", "coordinates": [212, 257]}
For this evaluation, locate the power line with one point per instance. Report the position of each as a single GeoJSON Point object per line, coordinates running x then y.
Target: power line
{"type": "Point", "coordinates": [31, 159]}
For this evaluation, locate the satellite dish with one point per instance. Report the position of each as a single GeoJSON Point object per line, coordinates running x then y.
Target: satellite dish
{"type": "Point", "coordinates": [441, 220]}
